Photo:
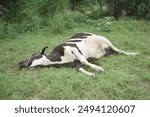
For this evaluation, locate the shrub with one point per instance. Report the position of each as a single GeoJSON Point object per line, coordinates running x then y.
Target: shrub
{"type": "Point", "coordinates": [79, 17]}
{"type": "Point", "coordinates": [141, 10]}
{"type": "Point", "coordinates": [8, 30]}
{"type": "Point", "coordinates": [34, 14]}
{"type": "Point", "coordinates": [105, 24]}
{"type": "Point", "coordinates": [56, 24]}
{"type": "Point", "coordinates": [137, 8]}
{"type": "Point", "coordinates": [12, 30]}
{"type": "Point", "coordinates": [3, 11]}
{"type": "Point", "coordinates": [2, 29]}
{"type": "Point", "coordinates": [51, 7]}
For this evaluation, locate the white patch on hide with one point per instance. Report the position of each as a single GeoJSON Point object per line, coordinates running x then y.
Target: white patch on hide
{"type": "Point", "coordinates": [42, 61]}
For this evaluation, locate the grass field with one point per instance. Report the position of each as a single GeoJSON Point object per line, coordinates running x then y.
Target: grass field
{"type": "Point", "coordinates": [126, 77]}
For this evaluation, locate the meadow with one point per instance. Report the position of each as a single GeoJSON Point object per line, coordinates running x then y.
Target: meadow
{"type": "Point", "coordinates": [126, 77]}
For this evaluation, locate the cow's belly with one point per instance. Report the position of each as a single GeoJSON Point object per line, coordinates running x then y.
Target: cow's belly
{"type": "Point", "coordinates": [92, 50]}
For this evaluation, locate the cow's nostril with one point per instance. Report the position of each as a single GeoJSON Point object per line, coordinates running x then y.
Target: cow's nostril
{"type": "Point", "coordinates": [22, 64]}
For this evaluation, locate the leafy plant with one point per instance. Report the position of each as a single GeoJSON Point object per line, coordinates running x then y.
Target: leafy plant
{"type": "Point", "coordinates": [51, 7]}
{"type": "Point", "coordinates": [60, 22]}
{"type": "Point", "coordinates": [2, 29]}
{"type": "Point", "coordinates": [105, 24]}
{"type": "Point", "coordinates": [56, 24]}
{"type": "Point", "coordinates": [8, 30]}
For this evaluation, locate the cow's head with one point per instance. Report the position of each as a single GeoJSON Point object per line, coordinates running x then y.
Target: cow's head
{"type": "Point", "coordinates": [35, 60]}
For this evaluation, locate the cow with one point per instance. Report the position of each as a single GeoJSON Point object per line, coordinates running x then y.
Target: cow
{"type": "Point", "coordinates": [79, 50]}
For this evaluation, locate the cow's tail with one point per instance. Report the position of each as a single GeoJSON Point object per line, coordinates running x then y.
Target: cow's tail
{"type": "Point", "coordinates": [116, 49]}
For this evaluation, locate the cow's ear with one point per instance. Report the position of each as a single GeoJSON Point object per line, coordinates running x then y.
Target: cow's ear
{"type": "Point", "coordinates": [43, 50]}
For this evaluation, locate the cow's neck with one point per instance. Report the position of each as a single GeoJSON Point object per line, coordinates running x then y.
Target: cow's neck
{"type": "Point", "coordinates": [53, 59]}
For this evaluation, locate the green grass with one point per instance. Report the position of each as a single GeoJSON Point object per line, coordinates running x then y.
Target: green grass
{"type": "Point", "coordinates": [126, 77]}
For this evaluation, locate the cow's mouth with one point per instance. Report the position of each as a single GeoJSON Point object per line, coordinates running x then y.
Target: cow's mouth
{"type": "Point", "coordinates": [23, 64]}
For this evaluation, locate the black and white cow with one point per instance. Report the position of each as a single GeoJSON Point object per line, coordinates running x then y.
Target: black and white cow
{"type": "Point", "coordinates": [76, 52]}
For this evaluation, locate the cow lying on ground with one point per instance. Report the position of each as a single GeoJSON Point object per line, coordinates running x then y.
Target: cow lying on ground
{"type": "Point", "coordinates": [76, 52]}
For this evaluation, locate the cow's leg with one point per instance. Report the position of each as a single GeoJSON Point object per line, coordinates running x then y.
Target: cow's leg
{"type": "Point", "coordinates": [81, 69]}
{"type": "Point", "coordinates": [86, 72]}
{"type": "Point", "coordinates": [83, 60]}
